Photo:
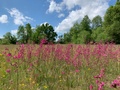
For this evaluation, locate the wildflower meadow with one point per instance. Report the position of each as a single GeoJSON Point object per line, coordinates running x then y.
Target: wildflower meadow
{"type": "Point", "coordinates": [60, 67]}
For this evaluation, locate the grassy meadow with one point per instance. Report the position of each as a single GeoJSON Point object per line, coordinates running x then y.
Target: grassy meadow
{"type": "Point", "coordinates": [60, 67]}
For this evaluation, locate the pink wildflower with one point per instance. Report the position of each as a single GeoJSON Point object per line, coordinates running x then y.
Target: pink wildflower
{"type": "Point", "coordinates": [101, 74]}
{"type": "Point", "coordinates": [100, 86]}
{"type": "Point", "coordinates": [8, 60]}
{"type": "Point", "coordinates": [63, 72]}
{"type": "Point", "coordinates": [31, 64]}
{"type": "Point", "coordinates": [9, 54]}
{"type": "Point", "coordinates": [8, 70]}
{"type": "Point", "coordinates": [115, 83]}
{"type": "Point", "coordinates": [97, 81]}
{"type": "Point", "coordinates": [19, 56]}
{"type": "Point", "coordinates": [91, 87]}
{"type": "Point", "coordinates": [76, 70]}
{"type": "Point", "coordinates": [15, 57]}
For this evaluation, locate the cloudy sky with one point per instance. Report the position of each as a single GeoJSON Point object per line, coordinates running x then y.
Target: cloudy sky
{"type": "Point", "coordinates": [61, 14]}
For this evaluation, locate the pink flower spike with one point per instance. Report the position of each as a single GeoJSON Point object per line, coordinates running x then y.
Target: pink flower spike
{"type": "Point", "coordinates": [9, 54]}
{"type": "Point", "coordinates": [115, 83]}
{"type": "Point", "coordinates": [100, 86]}
{"type": "Point", "coordinates": [63, 72]}
{"type": "Point", "coordinates": [8, 70]}
{"type": "Point", "coordinates": [14, 57]}
{"type": "Point", "coordinates": [102, 83]}
{"type": "Point", "coordinates": [76, 70]}
{"type": "Point", "coordinates": [8, 60]}
{"type": "Point", "coordinates": [31, 64]}
{"type": "Point", "coordinates": [97, 81]}
{"type": "Point", "coordinates": [91, 87]}
{"type": "Point", "coordinates": [98, 76]}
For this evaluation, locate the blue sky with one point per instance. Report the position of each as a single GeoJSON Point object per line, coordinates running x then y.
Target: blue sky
{"type": "Point", "coordinates": [61, 14]}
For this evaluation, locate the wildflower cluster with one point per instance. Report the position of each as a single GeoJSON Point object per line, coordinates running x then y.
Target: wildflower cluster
{"type": "Point", "coordinates": [116, 83]}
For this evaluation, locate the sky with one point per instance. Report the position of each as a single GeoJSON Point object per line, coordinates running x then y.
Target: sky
{"type": "Point", "coordinates": [61, 14]}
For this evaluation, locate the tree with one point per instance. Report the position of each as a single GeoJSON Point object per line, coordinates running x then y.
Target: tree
{"type": "Point", "coordinates": [13, 39]}
{"type": "Point", "coordinates": [99, 35]}
{"type": "Point", "coordinates": [9, 38]}
{"type": "Point", "coordinates": [114, 32]}
{"type": "Point", "coordinates": [21, 34]}
{"type": "Point", "coordinates": [37, 35]}
{"type": "Point", "coordinates": [74, 32]}
{"type": "Point", "coordinates": [95, 34]}
{"type": "Point", "coordinates": [80, 32]}
{"type": "Point", "coordinates": [45, 31]}
{"type": "Point", "coordinates": [67, 38]}
{"type": "Point", "coordinates": [48, 30]}
{"type": "Point", "coordinates": [83, 37]}
{"type": "Point", "coordinates": [29, 32]}
{"type": "Point", "coordinates": [112, 22]}
{"type": "Point", "coordinates": [85, 24]}
{"type": "Point", "coordinates": [60, 39]}
{"type": "Point", "coordinates": [118, 0]}
{"type": "Point", "coordinates": [96, 22]}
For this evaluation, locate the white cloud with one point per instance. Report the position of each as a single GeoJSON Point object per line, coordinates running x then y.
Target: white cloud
{"type": "Point", "coordinates": [54, 7]}
{"type": "Point", "coordinates": [4, 19]}
{"type": "Point", "coordinates": [19, 18]}
{"type": "Point", "coordinates": [61, 15]}
{"type": "Point", "coordinates": [71, 3]}
{"type": "Point", "coordinates": [68, 22]}
{"type": "Point", "coordinates": [14, 32]}
{"type": "Point", "coordinates": [1, 37]}
{"type": "Point", "coordinates": [91, 8]}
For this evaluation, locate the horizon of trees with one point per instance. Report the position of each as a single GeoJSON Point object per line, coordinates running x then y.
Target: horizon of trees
{"type": "Point", "coordinates": [27, 34]}
{"type": "Point", "coordinates": [96, 30]}
{"type": "Point", "coordinates": [86, 31]}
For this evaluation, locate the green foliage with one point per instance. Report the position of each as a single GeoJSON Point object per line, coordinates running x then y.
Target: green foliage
{"type": "Point", "coordinates": [9, 39]}
{"type": "Point", "coordinates": [112, 22]}
{"type": "Point", "coordinates": [83, 37]}
{"type": "Point", "coordinates": [0, 41]}
{"type": "Point", "coordinates": [97, 31]}
{"type": "Point", "coordinates": [74, 32]}
{"type": "Point", "coordinates": [85, 24]}
{"type": "Point", "coordinates": [99, 35]}
{"type": "Point", "coordinates": [67, 38]}
{"type": "Point", "coordinates": [61, 39]}
{"type": "Point", "coordinates": [8, 36]}
{"type": "Point", "coordinates": [21, 34]}
{"type": "Point", "coordinates": [29, 32]}
{"type": "Point", "coordinates": [103, 37]}
{"type": "Point", "coordinates": [80, 32]}
{"type": "Point", "coordinates": [13, 39]}
{"type": "Point", "coordinates": [96, 22]}
{"type": "Point", "coordinates": [114, 31]}
{"type": "Point", "coordinates": [5, 41]}
{"type": "Point", "coordinates": [44, 31]}
{"type": "Point", "coordinates": [48, 32]}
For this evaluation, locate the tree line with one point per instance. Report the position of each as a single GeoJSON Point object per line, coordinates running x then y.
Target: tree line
{"type": "Point", "coordinates": [27, 34]}
{"type": "Point", "coordinates": [95, 30]}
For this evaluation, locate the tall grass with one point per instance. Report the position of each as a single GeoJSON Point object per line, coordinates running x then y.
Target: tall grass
{"type": "Point", "coordinates": [60, 67]}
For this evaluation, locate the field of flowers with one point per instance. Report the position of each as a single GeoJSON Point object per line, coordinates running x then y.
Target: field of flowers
{"type": "Point", "coordinates": [60, 67]}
